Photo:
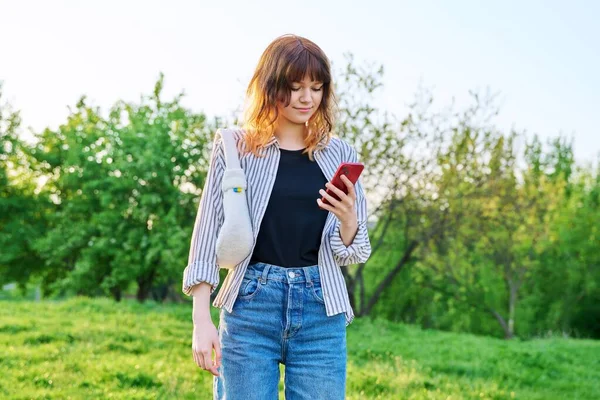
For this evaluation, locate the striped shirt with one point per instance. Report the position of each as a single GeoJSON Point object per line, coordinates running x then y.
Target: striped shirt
{"type": "Point", "coordinates": [260, 175]}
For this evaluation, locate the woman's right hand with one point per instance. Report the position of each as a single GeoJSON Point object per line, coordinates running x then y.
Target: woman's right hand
{"type": "Point", "coordinates": [205, 338]}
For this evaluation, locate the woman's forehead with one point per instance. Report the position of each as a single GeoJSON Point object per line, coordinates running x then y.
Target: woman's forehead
{"type": "Point", "coordinates": [308, 80]}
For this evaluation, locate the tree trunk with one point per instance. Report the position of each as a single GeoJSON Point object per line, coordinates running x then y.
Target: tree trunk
{"type": "Point", "coordinates": [387, 280]}
{"type": "Point", "coordinates": [512, 304]}
{"type": "Point", "coordinates": [160, 292]}
{"type": "Point", "coordinates": [144, 285]}
{"type": "Point", "coordinates": [116, 293]}
{"type": "Point", "coordinates": [502, 322]}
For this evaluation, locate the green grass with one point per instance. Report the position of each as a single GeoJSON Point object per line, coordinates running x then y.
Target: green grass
{"type": "Point", "coordinates": [96, 348]}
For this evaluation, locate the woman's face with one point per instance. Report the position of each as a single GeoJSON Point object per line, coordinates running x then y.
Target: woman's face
{"type": "Point", "coordinates": [304, 101]}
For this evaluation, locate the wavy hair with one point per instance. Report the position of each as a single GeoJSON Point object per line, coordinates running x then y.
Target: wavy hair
{"type": "Point", "coordinates": [288, 59]}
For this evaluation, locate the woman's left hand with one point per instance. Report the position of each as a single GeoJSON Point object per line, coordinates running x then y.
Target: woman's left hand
{"type": "Point", "coordinates": [343, 208]}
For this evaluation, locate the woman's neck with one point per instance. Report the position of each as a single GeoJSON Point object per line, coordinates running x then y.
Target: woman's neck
{"type": "Point", "coordinates": [290, 135]}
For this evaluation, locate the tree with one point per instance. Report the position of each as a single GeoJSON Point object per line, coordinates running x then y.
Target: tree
{"type": "Point", "coordinates": [21, 214]}
{"type": "Point", "coordinates": [124, 189]}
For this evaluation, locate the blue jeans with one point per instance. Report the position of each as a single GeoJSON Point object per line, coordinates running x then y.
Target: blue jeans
{"type": "Point", "coordinates": [279, 317]}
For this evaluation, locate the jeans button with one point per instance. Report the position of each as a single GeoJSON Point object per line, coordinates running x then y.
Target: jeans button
{"type": "Point", "coordinates": [291, 274]}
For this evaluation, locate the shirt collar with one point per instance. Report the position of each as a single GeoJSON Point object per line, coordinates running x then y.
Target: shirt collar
{"type": "Point", "coordinates": [274, 141]}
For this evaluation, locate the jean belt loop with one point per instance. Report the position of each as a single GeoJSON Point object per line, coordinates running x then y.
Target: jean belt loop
{"type": "Point", "coordinates": [307, 275]}
{"type": "Point", "coordinates": [265, 272]}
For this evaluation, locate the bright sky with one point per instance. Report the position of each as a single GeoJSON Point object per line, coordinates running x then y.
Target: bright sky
{"type": "Point", "coordinates": [542, 56]}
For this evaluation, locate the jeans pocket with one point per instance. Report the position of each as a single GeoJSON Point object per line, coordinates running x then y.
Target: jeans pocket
{"type": "Point", "coordinates": [249, 288]}
{"type": "Point", "coordinates": [317, 291]}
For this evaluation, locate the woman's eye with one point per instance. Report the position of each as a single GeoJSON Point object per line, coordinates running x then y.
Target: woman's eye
{"type": "Point", "coordinates": [316, 90]}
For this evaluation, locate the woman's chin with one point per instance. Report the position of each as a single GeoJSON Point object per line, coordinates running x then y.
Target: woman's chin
{"type": "Point", "coordinates": [299, 121]}
{"type": "Point", "coordinates": [296, 120]}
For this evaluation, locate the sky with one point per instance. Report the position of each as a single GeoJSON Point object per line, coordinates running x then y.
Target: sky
{"type": "Point", "coordinates": [541, 57]}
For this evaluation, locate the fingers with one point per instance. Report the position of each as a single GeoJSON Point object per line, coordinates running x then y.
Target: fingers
{"type": "Point", "coordinates": [350, 186]}
{"type": "Point", "coordinates": [341, 194]}
{"type": "Point", "coordinates": [204, 339]}
{"type": "Point", "coordinates": [347, 199]}
{"type": "Point", "coordinates": [217, 346]}
{"type": "Point", "coordinates": [218, 357]}
{"type": "Point", "coordinates": [213, 368]}
{"type": "Point", "coordinates": [207, 360]}
{"type": "Point", "coordinates": [333, 201]}
{"type": "Point", "coordinates": [325, 206]}
{"type": "Point", "coordinates": [203, 359]}
{"type": "Point", "coordinates": [198, 359]}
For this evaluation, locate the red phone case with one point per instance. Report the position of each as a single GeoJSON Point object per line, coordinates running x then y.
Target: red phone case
{"type": "Point", "coordinates": [351, 170]}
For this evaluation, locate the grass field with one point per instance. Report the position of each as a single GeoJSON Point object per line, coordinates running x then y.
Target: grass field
{"type": "Point", "coordinates": [96, 348]}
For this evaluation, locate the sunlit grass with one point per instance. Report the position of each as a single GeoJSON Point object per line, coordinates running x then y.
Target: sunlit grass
{"type": "Point", "coordinates": [96, 348]}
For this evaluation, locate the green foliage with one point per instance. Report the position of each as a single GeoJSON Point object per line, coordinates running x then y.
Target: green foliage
{"type": "Point", "coordinates": [21, 217]}
{"type": "Point", "coordinates": [475, 216]}
{"type": "Point", "coordinates": [473, 229]}
{"type": "Point", "coordinates": [124, 189]}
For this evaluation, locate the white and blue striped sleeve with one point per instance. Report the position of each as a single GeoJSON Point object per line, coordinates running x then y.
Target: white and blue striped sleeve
{"type": "Point", "coordinates": [202, 262]}
{"type": "Point", "coordinates": [360, 248]}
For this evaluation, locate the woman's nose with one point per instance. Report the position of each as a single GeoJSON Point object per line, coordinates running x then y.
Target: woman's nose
{"type": "Point", "coordinates": [305, 96]}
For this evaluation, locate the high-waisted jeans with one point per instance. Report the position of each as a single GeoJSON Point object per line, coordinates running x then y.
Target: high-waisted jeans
{"type": "Point", "coordinates": [279, 317]}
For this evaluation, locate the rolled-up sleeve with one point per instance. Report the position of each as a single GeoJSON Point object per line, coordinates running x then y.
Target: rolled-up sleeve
{"type": "Point", "coordinates": [359, 250]}
{"type": "Point", "coordinates": [202, 261]}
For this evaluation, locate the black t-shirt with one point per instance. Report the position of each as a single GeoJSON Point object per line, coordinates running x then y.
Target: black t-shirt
{"type": "Point", "coordinates": [291, 229]}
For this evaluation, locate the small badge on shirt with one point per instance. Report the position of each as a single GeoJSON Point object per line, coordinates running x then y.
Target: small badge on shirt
{"type": "Point", "coordinates": [238, 189]}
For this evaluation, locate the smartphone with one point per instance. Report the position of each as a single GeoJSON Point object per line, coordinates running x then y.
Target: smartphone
{"type": "Point", "coordinates": [351, 170]}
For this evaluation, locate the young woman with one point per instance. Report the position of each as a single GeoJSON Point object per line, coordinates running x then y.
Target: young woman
{"type": "Point", "coordinates": [287, 302]}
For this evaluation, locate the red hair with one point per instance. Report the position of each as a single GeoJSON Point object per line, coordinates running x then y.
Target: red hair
{"type": "Point", "coordinates": [288, 59]}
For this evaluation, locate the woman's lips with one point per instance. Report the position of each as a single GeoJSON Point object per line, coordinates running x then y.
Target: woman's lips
{"type": "Point", "coordinates": [303, 109]}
